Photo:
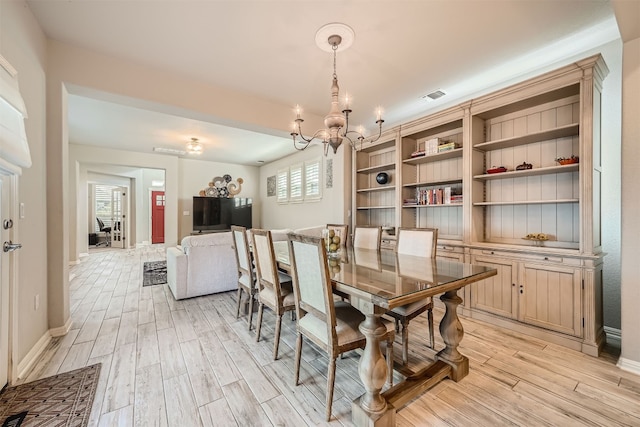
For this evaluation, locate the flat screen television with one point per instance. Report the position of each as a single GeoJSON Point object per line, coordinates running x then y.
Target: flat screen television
{"type": "Point", "coordinates": [213, 213]}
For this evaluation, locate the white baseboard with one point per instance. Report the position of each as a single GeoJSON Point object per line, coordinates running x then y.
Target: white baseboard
{"type": "Point", "coordinates": [76, 262]}
{"type": "Point", "coordinates": [614, 336]}
{"type": "Point", "coordinates": [30, 359]}
{"type": "Point", "coordinates": [83, 254]}
{"type": "Point", "coordinates": [61, 330]}
{"type": "Point", "coordinates": [629, 365]}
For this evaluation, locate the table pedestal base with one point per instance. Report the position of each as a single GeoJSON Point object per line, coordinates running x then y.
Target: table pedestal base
{"type": "Point", "coordinates": [361, 417]}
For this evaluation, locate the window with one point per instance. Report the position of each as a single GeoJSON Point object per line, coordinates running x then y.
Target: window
{"type": "Point", "coordinates": [300, 182]}
{"type": "Point", "coordinates": [295, 183]}
{"type": "Point", "coordinates": [282, 186]}
{"type": "Point", "coordinates": [103, 208]}
{"type": "Point", "coordinates": [312, 187]}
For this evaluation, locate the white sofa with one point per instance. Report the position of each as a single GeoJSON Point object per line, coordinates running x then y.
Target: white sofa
{"type": "Point", "coordinates": [281, 234]}
{"type": "Point", "coordinates": [202, 265]}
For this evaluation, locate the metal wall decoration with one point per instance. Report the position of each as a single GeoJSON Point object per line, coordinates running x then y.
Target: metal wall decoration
{"type": "Point", "coordinates": [329, 174]}
{"type": "Point", "coordinates": [271, 186]}
{"type": "Point", "coordinates": [222, 186]}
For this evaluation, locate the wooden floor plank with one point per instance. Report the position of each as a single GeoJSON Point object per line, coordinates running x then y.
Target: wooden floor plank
{"type": "Point", "coordinates": [181, 405]}
{"type": "Point", "coordinates": [149, 403]}
{"type": "Point", "coordinates": [245, 408]}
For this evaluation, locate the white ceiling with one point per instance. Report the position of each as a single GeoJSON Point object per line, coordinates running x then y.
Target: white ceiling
{"type": "Point", "coordinates": [402, 51]}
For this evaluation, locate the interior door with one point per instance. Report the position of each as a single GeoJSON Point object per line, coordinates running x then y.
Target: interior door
{"type": "Point", "coordinates": [118, 217]}
{"type": "Point", "coordinates": [5, 234]}
{"type": "Point", "coordinates": [157, 216]}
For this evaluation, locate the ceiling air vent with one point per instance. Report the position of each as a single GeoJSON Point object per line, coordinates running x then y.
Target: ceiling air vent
{"type": "Point", "coordinates": [434, 95]}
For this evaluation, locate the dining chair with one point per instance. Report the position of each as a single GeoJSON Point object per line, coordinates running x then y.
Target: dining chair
{"type": "Point", "coordinates": [415, 242]}
{"type": "Point", "coordinates": [274, 287]}
{"type": "Point", "coordinates": [331, 325]}
{"type": "Point", "coordinates": [246, 272]}
{"type": "Point", "coordinates": [367, 237]}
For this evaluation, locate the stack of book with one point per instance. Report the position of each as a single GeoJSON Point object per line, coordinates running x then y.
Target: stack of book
{"type": "Point", "coordinates": [431, 145]}
{"type": "Point", "coordinates": [446, 146]}
{"type": "Point", "coordinates": [435, 196]}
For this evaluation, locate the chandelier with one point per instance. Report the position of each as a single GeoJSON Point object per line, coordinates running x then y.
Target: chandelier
{"type": "Point", "coordinates": [194, 147]}
{"type": "Point", "coordinates": [337, 121]}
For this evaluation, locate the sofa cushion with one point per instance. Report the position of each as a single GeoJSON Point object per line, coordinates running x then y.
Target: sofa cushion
{"type": "Point", "coordinates": [209, 239]}
{"type": "Point", "coordinates": [315, 231]}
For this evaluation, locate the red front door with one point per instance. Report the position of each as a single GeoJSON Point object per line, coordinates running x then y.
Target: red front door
{"type": "Point", "coordinates": [157, 217]}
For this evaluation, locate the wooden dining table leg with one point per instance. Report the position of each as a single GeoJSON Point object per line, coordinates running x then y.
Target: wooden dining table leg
{"type": "Point", "coordinates": [452, 332]}
{"type": "Point", "coordinates": [371, 409]}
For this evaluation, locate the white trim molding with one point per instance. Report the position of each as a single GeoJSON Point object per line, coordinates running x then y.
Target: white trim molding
{"type": "Point", "coordinates": [31, 358]}
{"type": "Point", "coordinates": [61, 330]}
{"type": "Point", "coordinates": [614, 336]}
{"type": "Point", "coordinates": [629, 365]}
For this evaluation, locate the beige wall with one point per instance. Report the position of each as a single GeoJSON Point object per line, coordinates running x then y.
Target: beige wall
{"type": "Point", "coordinates": [23, 44]}
{"type": "Point", "coordinates": [335, 202]}
{"type": "Point", "coordinates": [630, 358]}
{"type": "Point", "coordinates": [195, 175]}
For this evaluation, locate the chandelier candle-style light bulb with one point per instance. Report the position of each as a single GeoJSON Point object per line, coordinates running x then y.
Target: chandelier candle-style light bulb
{"type": "Point", "coordinates": [337, 121]}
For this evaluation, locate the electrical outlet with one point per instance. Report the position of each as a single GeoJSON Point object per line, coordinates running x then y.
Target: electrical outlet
{"type": "Point", "coordinates": [185, 213]}
{"type": "Point", "coordinates": [36, 302]}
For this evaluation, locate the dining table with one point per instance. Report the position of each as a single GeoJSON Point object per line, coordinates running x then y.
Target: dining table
{"type": "Point", "coordinates": [377, 281]}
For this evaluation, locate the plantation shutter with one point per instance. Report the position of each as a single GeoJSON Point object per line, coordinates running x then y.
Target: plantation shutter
{"type": "Point", "coordinates": [295, 183]}
{"type": "Point", "coordinates": [103, 208]}
{"type": "Point", "coordinates": [282, 186]}
{"type": "Point", "coordinates": [313, 189]}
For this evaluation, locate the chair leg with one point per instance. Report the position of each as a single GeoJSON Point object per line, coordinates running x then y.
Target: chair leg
{"type": "Point", "coordinates": [251, 300]}
{"type": "Point", "coordinates": [405, 342]}
{"type": "Point", "coordinates": [298, 356]}
{"type": "Point", "coordinates": [390, 360]}
{"type": "Point", "coordinates": [430, 321]}
{"type": "Point", "coordinates": [276, 338]}
{"type": "Point", "coordinates": [239, 299]}
{"type": "Point", "coordinates": [331, 379]}
{"type": "Point", "coordinates": [259, 325]}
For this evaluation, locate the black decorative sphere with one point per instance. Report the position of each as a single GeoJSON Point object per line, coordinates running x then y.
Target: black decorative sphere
{"type": "Point", "coordinates": [382, 178]}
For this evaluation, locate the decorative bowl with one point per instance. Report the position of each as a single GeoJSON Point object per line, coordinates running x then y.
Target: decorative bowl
{"type": "Point", "coordinates": [568, 160]}
{"type": "Point", "coordinates": [498, 169]}
{"type": "Point", "coordinates": [524, 166]}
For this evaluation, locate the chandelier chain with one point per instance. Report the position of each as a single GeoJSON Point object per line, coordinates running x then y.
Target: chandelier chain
{"type": "Point", "coordinates": [335, 50]}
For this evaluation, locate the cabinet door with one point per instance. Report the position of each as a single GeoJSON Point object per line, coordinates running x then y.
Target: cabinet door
{"type": "Point", "coordinates": [496, 294]}
{"type": "Point", "coordinates": [550, 297]}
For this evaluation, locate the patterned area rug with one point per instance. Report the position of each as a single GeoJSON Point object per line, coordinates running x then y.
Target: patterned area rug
{"type": "Point", "coordinates": [154, 273]}
{"type": "Point", "coordinates": [61, 400]}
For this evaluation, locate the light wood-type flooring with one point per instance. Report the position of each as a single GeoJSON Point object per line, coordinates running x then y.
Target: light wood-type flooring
{"type": "Point", "coordinates": [191, 363]}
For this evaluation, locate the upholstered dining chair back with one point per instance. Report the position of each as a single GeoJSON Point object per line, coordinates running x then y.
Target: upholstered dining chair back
{"type": "Point", "coordinates": [311, 279]}
{"type": "Point", "coordinates": [241, 245]}
{"type": "Point", "coordinates": [266, 268]}
{"type": "Point", "coordinates": [417, 241]}
{"type": "Point", "coordinates": [246, 275]}
{"type": "Point", "coordinates": [367, 237]}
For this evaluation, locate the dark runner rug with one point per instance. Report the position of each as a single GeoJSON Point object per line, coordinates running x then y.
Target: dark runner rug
{"type": "Point", "coordinates": [63, 400]}
{"type": "Point", "coordinates": [154, 273]}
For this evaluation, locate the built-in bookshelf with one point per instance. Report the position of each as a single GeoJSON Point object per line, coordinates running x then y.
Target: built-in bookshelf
{"type": "Point", "coordinates": [485, 174]}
